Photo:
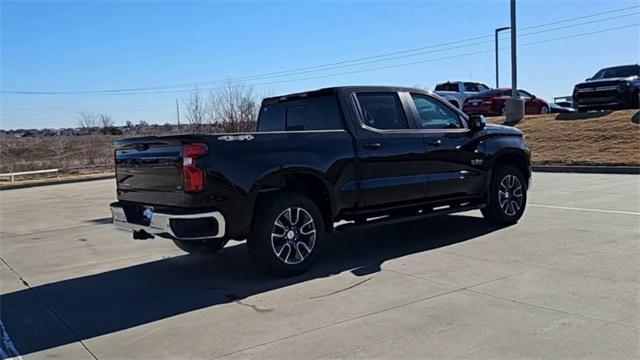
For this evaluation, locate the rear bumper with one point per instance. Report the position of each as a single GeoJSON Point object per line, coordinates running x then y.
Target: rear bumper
{"type": "Point", "coordinates": [186, 226]}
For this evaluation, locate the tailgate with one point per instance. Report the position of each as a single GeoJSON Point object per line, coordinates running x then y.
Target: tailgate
{"type": "Point", "coordinates": [148, 170]}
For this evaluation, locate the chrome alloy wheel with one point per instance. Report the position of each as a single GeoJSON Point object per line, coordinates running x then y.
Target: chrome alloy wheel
{"type": "Point", "coordinates": [293, 236]}
{"type": "Point", "coordinates": [510, 195]}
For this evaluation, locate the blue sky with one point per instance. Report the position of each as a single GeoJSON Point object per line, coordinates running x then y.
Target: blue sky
{"type": "Point", "coordinates": [70, 46]}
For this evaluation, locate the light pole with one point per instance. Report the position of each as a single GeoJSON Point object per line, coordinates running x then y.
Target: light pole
{"type": "Point", "coordinates": [514, 106]}
{"type": "Point", "coordinates": [497, 71]}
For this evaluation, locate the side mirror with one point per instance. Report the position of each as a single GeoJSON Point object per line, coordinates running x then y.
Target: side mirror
{"type": "Point", "coordinates": [476, 122]}
{"type": "Point", "coordinates": [533, 97]}
{"type": "Point", "coordinates": [587, 79]}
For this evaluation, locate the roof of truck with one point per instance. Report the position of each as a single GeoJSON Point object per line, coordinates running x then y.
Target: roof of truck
{"type": "Point", "coordinates": [334, 89]}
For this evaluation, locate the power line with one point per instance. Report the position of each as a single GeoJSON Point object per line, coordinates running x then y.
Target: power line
{"type": "Point", "coordinates": [386, 67]}
{"type": "Point", "coordinates": [340, 64]}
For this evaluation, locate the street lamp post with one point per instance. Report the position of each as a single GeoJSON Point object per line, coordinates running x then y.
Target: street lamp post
{"type": "Point", "coordinates": [497, 68]}
{"type": "Point", "coordinates": [514, 106]}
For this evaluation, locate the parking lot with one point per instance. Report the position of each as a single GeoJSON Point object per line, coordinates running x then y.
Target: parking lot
{"type": "Point", "coordinates": [562, 283]}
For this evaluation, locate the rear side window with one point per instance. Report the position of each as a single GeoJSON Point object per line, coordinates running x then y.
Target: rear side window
{"type": "Point", "coordinates": [447, 87]}
{"type": "Point", "coordinates": [382, 111]}
{"type": "Point", "coordinates": [316, 113]}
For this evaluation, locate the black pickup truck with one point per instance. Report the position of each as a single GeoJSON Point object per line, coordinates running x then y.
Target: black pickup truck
{"type": "Point", "coordinates": [616, 87]}
{"type": "Point", "coordinates": [359, 154]}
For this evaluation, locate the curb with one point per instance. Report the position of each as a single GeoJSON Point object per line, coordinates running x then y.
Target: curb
{"type": "Point", "coordinates": [587, 169]}
{"type": "Point", "coordinates": [55, 182]}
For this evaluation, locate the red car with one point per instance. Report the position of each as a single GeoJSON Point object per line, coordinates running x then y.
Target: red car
{"type": "Point", "coordinates": [491, 102]}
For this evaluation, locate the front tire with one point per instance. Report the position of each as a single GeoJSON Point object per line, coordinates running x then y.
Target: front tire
{"type": "Point", "coordinates": [507, 196]}
{"type": "Point", "coordinates": [202, 247]}
{"type": "Point", "coordinates": [544, 110]}
{"type": "Point", "coordinates": [286, 233]}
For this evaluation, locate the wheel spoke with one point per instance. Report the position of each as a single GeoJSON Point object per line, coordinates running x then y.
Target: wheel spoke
{"type": "Point", "coordinates": [279, 253]}
{"type": "Point", "coordinates": [307, 248]}
{"type": "Point", "coordinates": [292, 243]}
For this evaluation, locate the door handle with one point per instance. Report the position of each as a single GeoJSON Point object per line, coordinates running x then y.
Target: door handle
{"type": "Point", "coordinates": [372, 146]}
{"type": "Point", "coordinates": [436, 142]}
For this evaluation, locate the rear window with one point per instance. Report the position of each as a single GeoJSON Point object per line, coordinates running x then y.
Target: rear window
{"type": "Point", "coordinates": [448, 87]}
{"type": "Point", "coordinates": [316, 113]}
{"type": "Point", "coordinates": [382, 111]}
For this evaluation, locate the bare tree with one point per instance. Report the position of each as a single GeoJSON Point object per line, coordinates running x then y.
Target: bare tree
{"type": "Point", "coordinates": [105, 120]}
{"type": "Point", "coordinates": [59, 146]}
{"type": "Point", "coordinates": [87, 120]}
{"type": "Point", "coordinates": [142, 127]}
{"type": "Point", "coordinates": [233, 107]}
{"type": "Point", "coordinates": [196, 112]}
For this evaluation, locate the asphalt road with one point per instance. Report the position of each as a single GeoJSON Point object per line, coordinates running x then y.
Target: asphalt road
{"type": "Point", "coordinates": [562, 283]}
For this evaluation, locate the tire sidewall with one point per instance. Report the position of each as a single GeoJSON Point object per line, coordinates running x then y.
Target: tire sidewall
{"type": "Point", "coordinates": [493, 211]}
{"type": "Point", "coordinates": [259, 240]}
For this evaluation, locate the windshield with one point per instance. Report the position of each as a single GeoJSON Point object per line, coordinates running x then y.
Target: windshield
{"type": "Point", "coordinates": [617, 72]}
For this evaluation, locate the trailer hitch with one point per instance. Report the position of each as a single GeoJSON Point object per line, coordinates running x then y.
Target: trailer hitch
{"type": "Point", "coordinates": [142, 235]}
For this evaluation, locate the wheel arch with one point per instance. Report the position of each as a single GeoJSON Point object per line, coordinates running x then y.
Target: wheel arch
{"type": "Point", "coordinates": [307, 182]}
{"type": "Point", "coordinates": [514, 157]}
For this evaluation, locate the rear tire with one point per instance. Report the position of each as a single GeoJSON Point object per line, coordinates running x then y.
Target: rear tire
{"type": "Point", "coordinates": [507, 196]}
{"type": "Point", "coordinates": [286, 233]}
{"type": "Point", "coordinates": [202, 247]}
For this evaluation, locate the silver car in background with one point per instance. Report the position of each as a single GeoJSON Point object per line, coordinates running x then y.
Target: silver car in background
{"type": "Point", "coordinates": [456, 92]}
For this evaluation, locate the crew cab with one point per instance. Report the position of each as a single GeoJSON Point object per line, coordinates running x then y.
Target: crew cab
{"type": "Point", "coordinates": [616, 87]}
{"type": "Point", "coordinates": [456, 92]}
{"type": "Point", "coordinates": [361, 154]}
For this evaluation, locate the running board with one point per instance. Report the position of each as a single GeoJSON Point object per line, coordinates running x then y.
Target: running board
{"type": "Point", "coordinates": [388, 220]}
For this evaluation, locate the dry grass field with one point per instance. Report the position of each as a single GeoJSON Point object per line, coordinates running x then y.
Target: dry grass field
{"type": "Point", "coordinates": [611, 138]}
{"type": "Point", "coordinates": [566, 139]}
{"type": "Point", "coordinates": [49, 152]}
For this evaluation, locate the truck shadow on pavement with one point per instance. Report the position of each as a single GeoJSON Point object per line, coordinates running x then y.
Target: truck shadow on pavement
{"type": "Point", "coordinates": [63, 312]}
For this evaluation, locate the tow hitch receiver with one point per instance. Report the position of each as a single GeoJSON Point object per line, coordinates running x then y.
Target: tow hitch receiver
{"type": "Point", "coordinates": [141, 235]}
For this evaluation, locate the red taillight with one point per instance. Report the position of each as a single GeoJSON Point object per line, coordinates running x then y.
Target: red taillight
{"type": "Point", "coordinates": [193, 177]}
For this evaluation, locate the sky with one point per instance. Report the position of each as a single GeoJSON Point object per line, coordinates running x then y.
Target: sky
{"type": "Point", "coordinates": [56, 46]}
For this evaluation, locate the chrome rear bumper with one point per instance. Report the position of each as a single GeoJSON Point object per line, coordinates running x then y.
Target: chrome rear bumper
{"type": "Point", "coordinates": [160, 223]}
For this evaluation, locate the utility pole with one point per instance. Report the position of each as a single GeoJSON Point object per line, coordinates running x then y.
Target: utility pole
{"type": "Point", "coordinates": [514, 62]}
{"type": "Point", "coordinates": [497, 69]}
{"type": "Point", "coordinates": [178, 113]}
{"type": "Point", "coordinates": [514, 106]}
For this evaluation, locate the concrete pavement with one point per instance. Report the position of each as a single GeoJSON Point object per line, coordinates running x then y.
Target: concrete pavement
{"type": "Point", "coordinates": [562, 283]}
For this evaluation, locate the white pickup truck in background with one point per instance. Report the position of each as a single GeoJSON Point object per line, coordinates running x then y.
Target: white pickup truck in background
{"type": "Point", "coordinates": [456, 92]}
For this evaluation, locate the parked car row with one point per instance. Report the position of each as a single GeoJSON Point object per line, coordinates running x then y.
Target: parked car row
{"type": "Point", "coordinates": [610, 88]}
{"type": "Point", "coordinates": [475, 98]}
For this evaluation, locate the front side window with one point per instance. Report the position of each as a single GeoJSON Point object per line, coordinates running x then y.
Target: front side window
{"type": "Point", "coordinates": [471, 87]}
{"type": "Point", "coordinates": [382, 111]}
{"type": "Point", "coordinates": [434, 115]}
